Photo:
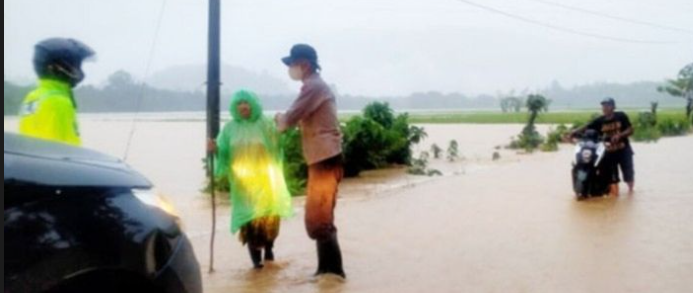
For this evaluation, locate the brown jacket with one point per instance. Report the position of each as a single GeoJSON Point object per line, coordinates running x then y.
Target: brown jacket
{"type": "Point", "coordinates": [315, 111]}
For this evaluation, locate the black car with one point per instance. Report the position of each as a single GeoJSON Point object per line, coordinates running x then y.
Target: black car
{"type": "Point", "coordinates": [79, 221]}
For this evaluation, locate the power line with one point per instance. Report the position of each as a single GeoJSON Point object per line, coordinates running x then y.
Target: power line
{"type": "Point", "coordinates": [148, 68]}
{"type": "Point", "coordinates": [562, 29]}
{"type": "Point", "coordinates": [623, 19]}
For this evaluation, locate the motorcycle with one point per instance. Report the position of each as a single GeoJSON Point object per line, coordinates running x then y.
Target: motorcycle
{"type": "Point", "coordinates": [590, 179]}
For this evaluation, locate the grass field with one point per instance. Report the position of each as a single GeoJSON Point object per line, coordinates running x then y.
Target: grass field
{"type": "Point", "coordinates": [521, 118]}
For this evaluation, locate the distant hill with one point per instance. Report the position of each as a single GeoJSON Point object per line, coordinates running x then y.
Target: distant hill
{"type": "Point", "coordinates": [192, 78]}
{"type": "Point", "coordinates": [632, 95]}
{"type": "Point", "coordinates": [181, 90]}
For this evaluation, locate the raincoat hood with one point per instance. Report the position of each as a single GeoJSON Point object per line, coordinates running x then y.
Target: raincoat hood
{"type": "Point", "coordinates": [252, 100]}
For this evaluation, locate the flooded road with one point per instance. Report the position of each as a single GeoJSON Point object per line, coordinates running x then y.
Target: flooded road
{"type": "Point", "coordinates": [505, 226]}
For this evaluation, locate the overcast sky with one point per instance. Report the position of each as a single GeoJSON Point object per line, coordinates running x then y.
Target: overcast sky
{"type": "Point", "coordinates": [372, 47]}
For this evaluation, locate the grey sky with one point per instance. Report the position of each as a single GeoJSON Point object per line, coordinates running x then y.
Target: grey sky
{"type": "Point", "coordinates": [369, 47]}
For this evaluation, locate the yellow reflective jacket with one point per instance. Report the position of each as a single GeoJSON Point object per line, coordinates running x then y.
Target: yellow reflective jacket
{"type": "Point", "coordinates": [50, 113]}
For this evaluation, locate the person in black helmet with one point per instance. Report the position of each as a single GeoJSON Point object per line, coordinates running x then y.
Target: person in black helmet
{"type": "Point", "coordinates": [50, 111]}
{"type": "Point", "coordinates": [616, 128]}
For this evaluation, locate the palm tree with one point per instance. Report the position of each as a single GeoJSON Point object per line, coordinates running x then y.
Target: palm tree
{"type": "Point", "coordinates": [682, 87]}
{"type": "Point", "coordinates": [530, 138]}
{"type": "Point", "coordinates": [417, 134]}
{"type": "Point", "coordinates": [536, 104]}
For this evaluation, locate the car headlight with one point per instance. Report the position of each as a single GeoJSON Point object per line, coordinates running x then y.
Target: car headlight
{"type": "Point", "coordinates": [156, 200]}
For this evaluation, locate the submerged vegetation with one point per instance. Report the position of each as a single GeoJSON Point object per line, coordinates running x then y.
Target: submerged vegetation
{"type": "Point", "coordinates": [530, 139]}
{"type": "Point", "coordinates": [376, 139]}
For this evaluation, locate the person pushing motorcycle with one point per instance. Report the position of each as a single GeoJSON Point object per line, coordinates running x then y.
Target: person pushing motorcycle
{"type": "Point", "coordinates": [615, 128]}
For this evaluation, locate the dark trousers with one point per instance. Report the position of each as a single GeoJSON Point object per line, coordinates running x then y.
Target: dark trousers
{"type": "Point", "coordinates": [623, 160]}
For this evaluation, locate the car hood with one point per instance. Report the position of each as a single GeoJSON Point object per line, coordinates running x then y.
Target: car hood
{"type": "Point", "coordinates": [39, 162]}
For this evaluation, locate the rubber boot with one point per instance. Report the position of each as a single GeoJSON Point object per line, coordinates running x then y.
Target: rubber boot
{"type": "Point", "coordinates": [256, 257]}
{"type": "Point", "coordinates": [330, 257]}
{"type": "Point", "coordinates": [269, 252]}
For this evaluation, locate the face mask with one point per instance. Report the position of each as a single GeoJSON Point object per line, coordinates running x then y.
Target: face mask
{"type": "Point", "coordinates": [296, 73]}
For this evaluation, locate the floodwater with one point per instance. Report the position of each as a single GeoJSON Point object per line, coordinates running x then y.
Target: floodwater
{"type": "Point", "coordinates": [510, 225]}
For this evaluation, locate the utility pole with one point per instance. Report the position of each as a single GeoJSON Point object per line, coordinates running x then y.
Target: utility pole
{"type": "Point", "coordinates": [213, 106]}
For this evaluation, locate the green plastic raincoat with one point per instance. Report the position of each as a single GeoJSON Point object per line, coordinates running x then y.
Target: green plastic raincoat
{"type": "Point", "coordinates": [250, 156]}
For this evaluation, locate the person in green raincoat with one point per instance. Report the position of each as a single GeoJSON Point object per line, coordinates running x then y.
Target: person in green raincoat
{"type": "Point", "coordinates": [249, 154]}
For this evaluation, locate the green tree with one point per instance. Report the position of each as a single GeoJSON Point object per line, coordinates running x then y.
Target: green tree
{"type": "Point", "coordinates": [682, 87]}
{"type": "Point", "coordinates": [511, 104]}
{"type": "Point", "coordinates": [536, 104]}
{"type": "Point", "coordinates": [530, 139]}
{"type": "Point", "coordinates": [381, 113]}
{"type": "Point", "coordinates": [121, 80]}
{"type": "Point", "coordinates": [505, 107]}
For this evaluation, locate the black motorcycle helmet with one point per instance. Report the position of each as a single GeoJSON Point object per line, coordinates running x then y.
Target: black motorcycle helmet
{"type": "Point", "coordinates": [61, 59]}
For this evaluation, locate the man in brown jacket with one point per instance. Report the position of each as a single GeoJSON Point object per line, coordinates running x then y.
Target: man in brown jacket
{"type": "Point", "coordinates": [315, 111]}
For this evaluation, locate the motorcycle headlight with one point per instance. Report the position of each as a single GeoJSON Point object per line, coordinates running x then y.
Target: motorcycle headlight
{"type": "Point", "coordinates": [587, 156]}
{"type": "Point", "coordinates": [156, 200]}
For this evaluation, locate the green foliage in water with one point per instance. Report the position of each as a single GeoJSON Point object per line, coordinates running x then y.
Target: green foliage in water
{"type": "Point", "coordinates": [436, 151]}
{"type": "Point", "coordinates": [530, 139]}
{"type": "Point", "coordinates": [682, 87]}
{"type": "Point", "coordinates": [665, 127]}
{"type": "Point", "coordinates": [378, 139]}
{"type": "Point", "coordinates": [295, 167]}
{"type": "Point", "coordinates": [453, 151]}
{"type": "Point", "coordinates": [674, 126]}
{"type": "Point", "coordinates": [554, 138]}
{"type": "Point", "coordinates": [381, 113]}
{"type": "Point", "coordinates": [419, 166]}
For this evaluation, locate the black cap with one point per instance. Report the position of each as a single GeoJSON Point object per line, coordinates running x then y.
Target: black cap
{"type": "Point", "coordinates": [609, 101]}
{"type": "Point", "coordinates": [302, 52]}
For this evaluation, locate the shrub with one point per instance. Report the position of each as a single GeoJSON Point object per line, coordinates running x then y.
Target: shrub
{"type": "Point", "coordinates": [420, 166]}
{"type": "Point", "coordinates": [453, 151]}
{"type": "Point", "coordinates": [674, 127]}
{"type": "Point", "coordinates": [529, 140]}
{"type": "Point", "coordinates": [436, 151]}
{"type": "Point", "coordinates": [647, 134]}
{"type": "Point", "coordinates": [375, 140]}
{"type": "Point", "coordinates": [380, 113]}
{"type": "Point", "coordinates": [295, 167]}
{"type": "Point", "coordinates": [554, 138]}
{"type": "Point", "coordinates": [646, 129]}
{"type": "Point", "coordinates": [379, 139]}
{"type": "Point", "coordinates": [366, 145]}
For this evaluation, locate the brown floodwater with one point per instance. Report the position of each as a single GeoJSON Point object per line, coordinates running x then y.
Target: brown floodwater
{"type": "Point", "coordinates": [506, 226]}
